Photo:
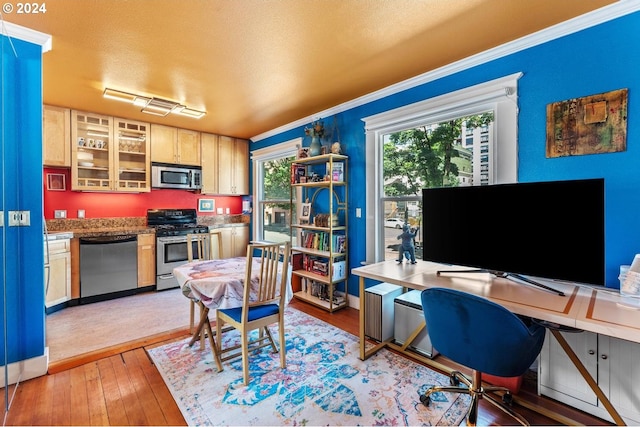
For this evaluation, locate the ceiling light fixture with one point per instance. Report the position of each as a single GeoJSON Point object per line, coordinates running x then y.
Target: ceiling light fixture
{"type": "Point", "coordinates": [156, 106]}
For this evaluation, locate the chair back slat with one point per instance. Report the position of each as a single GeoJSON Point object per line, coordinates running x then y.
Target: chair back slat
{"type": "Point", "coordinates": [272, 274]}
{"type": "Point", "coordinates": [200, 246]}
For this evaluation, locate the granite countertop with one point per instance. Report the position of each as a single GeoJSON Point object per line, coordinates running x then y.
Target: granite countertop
{"type": "Point", "coordinates": [98, 227]}
{"type": "Point", "coordinates": [115, 231]}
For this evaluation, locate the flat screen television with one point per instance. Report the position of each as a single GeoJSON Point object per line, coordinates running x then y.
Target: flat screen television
{"type": "Point", "coordinates": [552, 230]}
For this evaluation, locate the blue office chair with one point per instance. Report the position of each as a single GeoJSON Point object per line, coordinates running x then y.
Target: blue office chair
{"type": "Point", "coordinates": [483, 336]}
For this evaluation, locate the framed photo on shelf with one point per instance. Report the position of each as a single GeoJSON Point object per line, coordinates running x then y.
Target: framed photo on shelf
{"type": "Point", "coordinates": [303, 152]}
{"type": "Point", "coordinates": [56, 182]}
{"type": "Point", "coordinates": [305, 213]}
{"type": "Point", "coordinates": [206, 205]}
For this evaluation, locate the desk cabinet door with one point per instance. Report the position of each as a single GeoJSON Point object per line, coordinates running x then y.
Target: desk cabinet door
{"type": "Point", "coordinates": [619, 371]}
{"type": "Point", "coordinates": [557, 372]}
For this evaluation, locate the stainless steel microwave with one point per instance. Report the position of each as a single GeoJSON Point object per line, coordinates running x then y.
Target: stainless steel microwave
{"type": "Point", "coordinates": [176, 176]}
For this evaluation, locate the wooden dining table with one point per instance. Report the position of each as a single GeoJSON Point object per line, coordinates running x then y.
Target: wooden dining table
{"type": "Point", "coordinates": [214, 284]}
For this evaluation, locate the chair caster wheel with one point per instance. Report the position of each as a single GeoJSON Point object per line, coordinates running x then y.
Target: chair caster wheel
{"type": "Point", "coordinates": [426, 400]}
{"type": "Point", "coordinates": [507, 399]}
{"type": "Point", "coordinates": [453, 380]}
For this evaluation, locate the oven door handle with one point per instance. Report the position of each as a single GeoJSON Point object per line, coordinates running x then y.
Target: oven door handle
{"type": "Point", "coordinates": [172, 239]}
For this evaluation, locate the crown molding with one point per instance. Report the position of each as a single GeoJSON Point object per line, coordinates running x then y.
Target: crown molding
{"type": "Point", "coordinates": [15, 31]}
{"type": "Point", "coordinates": [591, 19]}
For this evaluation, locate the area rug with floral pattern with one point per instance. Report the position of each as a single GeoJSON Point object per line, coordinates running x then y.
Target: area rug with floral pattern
{"type": "Point", "coordinates": [324, 383]}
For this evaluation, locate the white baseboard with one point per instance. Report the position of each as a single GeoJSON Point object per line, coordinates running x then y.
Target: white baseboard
{"type": "Point", "coordinates": [353, 301]}
{"type": "Point", "coordinates": [26, 369]}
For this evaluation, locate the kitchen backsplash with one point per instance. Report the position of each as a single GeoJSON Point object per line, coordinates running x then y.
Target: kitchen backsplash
{"type": "Point", "coordinates": [98, 205]}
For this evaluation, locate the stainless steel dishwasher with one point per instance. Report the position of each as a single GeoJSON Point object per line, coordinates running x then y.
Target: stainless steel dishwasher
{"type": "Point", "coordinates": [108, 267]}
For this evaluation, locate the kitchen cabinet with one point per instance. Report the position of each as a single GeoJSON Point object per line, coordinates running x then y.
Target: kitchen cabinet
{"type": "Point", "coordinates": [91, 167]}
{"type": "Point", "coordinates": [109, 154]}
{"type": "Point", "coordinates": [132, 160]}
{"type": "Point", "coordinates": [235, 239]}
{"type": "Point", "coordinates": [146, 260]}
{"type": "Point", "coordinates": [233, 166]}
{"type": "Point", "coordinates": [209, 162]}
{"type": "Point", "coordinates": [58, 274]}
{"type": "Point", "coordinates": [56, 129]}
{"type": "Point", "coordinates": [612, 362]}
{"type": "Point", "coordinates": [174, 145]}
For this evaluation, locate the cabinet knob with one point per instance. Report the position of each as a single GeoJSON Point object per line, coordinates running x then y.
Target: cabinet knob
{"type": "Point", "coordinates": [604, 357]}
{"type": "Point", "coordinates": [591, 352]}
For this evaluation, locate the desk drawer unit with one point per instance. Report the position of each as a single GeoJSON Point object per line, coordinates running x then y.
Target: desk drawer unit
{"type": "Point", "coordinates": [408, 317]}
{"type": "Point", "coordinates": [378, 323]}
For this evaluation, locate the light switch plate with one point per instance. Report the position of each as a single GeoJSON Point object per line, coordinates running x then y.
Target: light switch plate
{"type": "Point", "coordinates": [60, 214]}
{"type": "Point", "coordinates": [80, 213]}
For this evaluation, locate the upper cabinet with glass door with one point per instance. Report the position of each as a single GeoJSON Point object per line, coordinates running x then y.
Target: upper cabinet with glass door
{"type": "Point", "coordinates": [91, 152]}
{"type": "Point", "coordinates": [132, 162]}
{"type": "Point", "coordinates": [109, 154]}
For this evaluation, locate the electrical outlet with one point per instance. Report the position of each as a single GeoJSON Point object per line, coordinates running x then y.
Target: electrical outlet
{"type": "Point", "coordinates": [25, 218]}
{"type": "Point", "coordinates": [358, 212]}
{"type": "Point", "coordinates": [60, 214]}
{"type": "Point", "coordinates": [19, 218]}
{"type": "Point", "coordinates": [14, 219]}
{"type": "Point", "coordinates": [1, 218]}
{"type": "Point", "coordinates": [80, 213]}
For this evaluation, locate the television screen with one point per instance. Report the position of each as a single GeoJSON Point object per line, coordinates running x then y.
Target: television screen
{"type": "Point", "coordinates": [551, 230]}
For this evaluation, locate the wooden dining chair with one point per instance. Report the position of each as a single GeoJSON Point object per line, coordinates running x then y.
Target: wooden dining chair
{"type": "Point", "coordinates": [263, 304]}
{"type": "Point", "coordinates": [199, 248]}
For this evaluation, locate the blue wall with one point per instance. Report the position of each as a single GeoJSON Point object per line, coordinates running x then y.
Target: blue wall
{"type": "Point", "coordinates": [592, 61]}
{"type": "Point", "coordinates": [21, 189]}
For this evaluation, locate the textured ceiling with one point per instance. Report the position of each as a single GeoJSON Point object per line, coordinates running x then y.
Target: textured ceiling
{"type": "Point", "coordinates": [255, 65]}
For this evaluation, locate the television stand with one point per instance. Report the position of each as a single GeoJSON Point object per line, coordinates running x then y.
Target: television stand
{"type": "Point", "coordinates": [505, 275]}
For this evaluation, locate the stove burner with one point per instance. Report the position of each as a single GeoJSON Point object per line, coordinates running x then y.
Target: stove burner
{"type": "Point", "coordinates": [174, 222]}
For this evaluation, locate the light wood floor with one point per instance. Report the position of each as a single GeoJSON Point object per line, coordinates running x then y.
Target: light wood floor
{"type": "Point", "coordinates": [121, 386]}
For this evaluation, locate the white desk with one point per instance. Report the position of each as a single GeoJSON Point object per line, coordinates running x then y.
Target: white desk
{"type": "Point", "coordinates": [584, 308]}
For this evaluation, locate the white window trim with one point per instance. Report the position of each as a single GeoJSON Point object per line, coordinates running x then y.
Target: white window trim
{"type": "Point", "coordinates": [499, 95]}
{"type": "Point", "coordinates": [276, 151]}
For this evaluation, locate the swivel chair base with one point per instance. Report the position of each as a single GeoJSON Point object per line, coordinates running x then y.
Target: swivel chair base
{"type": "Point", "coordinates": [476, 391]}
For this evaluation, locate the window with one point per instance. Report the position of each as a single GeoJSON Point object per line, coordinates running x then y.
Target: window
{"type": "Point", "coordinates": [431, 155]}
{"type": "Point", "coordinates": [479, 154]}
{"type": "Point", "coordinates": [272, 179]}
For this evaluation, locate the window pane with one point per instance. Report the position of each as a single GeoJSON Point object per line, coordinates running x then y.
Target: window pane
{"type": "Point", "coordinates": [276, 178]}
{"type": "Point", "coordinates": [453, 152]}
{"type": "Point", "coordinates": [448, 153]}
{"type": "Point", "coordinates": [275, 217]}
{"type": "Point", "coordinates": [397, 214]}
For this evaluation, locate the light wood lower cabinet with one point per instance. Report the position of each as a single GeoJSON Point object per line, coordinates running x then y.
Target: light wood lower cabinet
{"type": "Point", "coordinates": [235, 239]}
{"type": "Point", "coordinates": [58, 274]}
{"type": "Point", "coordinates": [146, 260]}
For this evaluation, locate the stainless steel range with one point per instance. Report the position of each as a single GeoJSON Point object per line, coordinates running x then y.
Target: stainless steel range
{"type": "Point", "coordinates": [172, 227]}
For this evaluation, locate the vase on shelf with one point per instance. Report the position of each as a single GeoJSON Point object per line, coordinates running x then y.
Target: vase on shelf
{"type": "Point", "coordinates": [315, 148]}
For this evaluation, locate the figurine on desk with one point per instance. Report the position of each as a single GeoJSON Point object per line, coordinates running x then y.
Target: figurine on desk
{"type": "Point", "coordinates": [406, 247]}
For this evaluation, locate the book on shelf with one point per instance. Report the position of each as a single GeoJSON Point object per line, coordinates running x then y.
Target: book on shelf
{"type": "Point", "coordinates": [298, 173]}
{"type": "Point", "coordinates": [336, 172]}
{"type": "Point", "coordinates": [320, 240]}
{"type": "Point", "coordinates": [320, 266]}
